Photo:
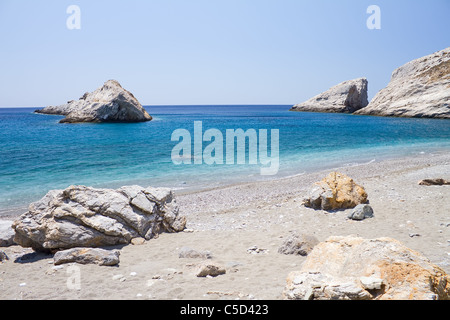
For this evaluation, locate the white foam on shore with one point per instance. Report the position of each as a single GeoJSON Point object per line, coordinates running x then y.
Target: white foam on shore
{"type": "Point", "coordinates": [356, 164]}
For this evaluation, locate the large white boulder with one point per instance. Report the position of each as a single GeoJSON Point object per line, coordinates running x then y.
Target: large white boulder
{"type": "Point", "coordinates": [81, 216]}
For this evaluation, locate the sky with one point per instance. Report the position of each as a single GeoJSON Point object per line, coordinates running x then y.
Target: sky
{"type": "Point", "coordinates": [206, 52]}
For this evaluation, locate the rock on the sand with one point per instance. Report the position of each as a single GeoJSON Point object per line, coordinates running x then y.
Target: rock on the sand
{"type": "Point", "coordinates": [434, 182]}
{"type": "Point", "coordinates": [3, 256]}
{"type": "Point", "coordinates": [420, 88]}
{"type": "Point", "coordinates": [353, 268]}
{"type": "Point", "coordinates": [98, 256]}
{"type": "Point", "coordinates": [137, 241]}
{"type": "Point", "coordinates": [361, 212]}
{"type": "Point", "coordinates": [346, 97]}
{"type": "Point", "coordinates": [298, 244]}
{"type": "Point", "coordinates": [335, 191]}
{"type": "Point", "coordinates": [81, 216]}
{"type": "Point", "coordinates": [6, 233]}
{"type": "Point", "coordinates": [209, 269]}
{"type": "Point", "coordinates": [109, 103]}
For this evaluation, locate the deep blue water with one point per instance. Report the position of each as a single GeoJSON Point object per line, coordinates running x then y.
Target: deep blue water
{"type": "Point", "coordinates": [39, 154]}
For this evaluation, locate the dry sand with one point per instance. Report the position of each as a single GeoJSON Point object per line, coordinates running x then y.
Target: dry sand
{"type": "Point", "coordinates": [228, 220]}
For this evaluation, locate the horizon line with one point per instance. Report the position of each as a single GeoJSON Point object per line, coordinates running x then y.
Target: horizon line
{"type": "Point", "coordinates": [172, 105]}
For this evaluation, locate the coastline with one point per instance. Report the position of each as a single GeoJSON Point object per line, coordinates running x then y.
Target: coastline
{"type": "Point", "coordinates": [14, 212]}
{"type": "Point", "coordinates": [228, 220]}
{"type": "Point", "coordinates": [372, 164]}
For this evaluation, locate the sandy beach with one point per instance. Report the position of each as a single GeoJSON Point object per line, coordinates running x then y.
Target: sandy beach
{"type": "Point", "coordinates": [227, 221]}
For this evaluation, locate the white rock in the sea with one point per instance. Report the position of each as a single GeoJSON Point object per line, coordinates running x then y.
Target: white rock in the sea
{"type": "Point", "coordinates": [346, 97]}
{"type": "Point", "coordinates": [420, 88]}
{"type": "Point", "coordinates": [81, 216]}
{"type": "Point", "coordinates": [353, 268]}
{"type": "Point", "coordinates": [109, 103]}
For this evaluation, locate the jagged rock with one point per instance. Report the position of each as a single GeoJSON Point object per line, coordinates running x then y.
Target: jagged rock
{"type": "Point", "coordinates": [109, 103]}
{"type": "Point", "coordinates": [6, 233]}
{"type": "Point", "coordinates": [346, 97]}
{"type": "Point", "coordinates": [298, 244]}
{"type": "Point", "coordinates": [434, 182]}
{"type": "Point", "coordinates": [190, 253]}
{"type": "Point", "coordinates": [420, 88]}
{"type": "Point", "coordinates": [353, 268]}
{"type": "Point", "coordinates": [98, 256]}
{"type": "Point", "coordinates": [81, 216]}
{"type": "Point", "coordinates": [361, 212]}
{"type": "Point", "coordinates": [335, 191]}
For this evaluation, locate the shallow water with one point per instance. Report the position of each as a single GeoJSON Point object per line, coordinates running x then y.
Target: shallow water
{"type": "Point", "coordinates": [39, 154]}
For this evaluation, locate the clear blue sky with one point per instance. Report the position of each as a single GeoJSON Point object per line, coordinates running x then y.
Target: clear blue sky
{"type": "Point", "coordinates": [209, 51]}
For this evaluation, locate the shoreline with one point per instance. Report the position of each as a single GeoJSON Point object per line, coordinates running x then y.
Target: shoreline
{"type": "Point", "coordinates": [244, 195]}
{"type": "Point", "coordinates": [14, 212]}
{"type": "Point", "coordinates": [374, 162]}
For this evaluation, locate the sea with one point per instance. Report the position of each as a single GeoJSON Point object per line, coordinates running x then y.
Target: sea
{"type": "Point", "coordinates": [38, 154]}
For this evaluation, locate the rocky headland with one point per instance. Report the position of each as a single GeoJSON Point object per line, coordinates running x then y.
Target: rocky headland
{"type": "Point", "coordinates": [419, 89]}
{"type": "Point", "coordinates": [346, 97]}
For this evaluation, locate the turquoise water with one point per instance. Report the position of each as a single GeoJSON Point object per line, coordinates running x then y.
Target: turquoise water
{"type": "Point", "coordinates": [39, 154]}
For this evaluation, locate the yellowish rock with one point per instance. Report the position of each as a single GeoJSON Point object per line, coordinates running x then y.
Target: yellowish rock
{"type": "Point", "coordinates": [336, 191]}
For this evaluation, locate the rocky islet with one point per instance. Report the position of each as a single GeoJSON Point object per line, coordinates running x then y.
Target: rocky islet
{"type": "Point", "coordinates": [109, 103]}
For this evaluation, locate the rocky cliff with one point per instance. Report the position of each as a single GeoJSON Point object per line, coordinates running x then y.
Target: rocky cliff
{"type": "Point", "coordinates": [420, 88]}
